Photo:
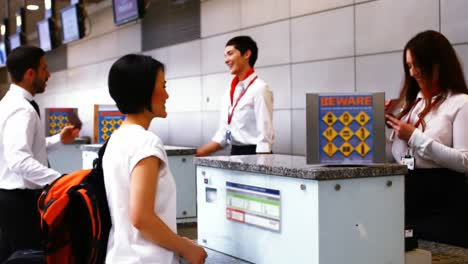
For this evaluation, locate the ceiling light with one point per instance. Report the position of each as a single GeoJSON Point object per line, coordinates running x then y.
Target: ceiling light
{"type": "Point", "coordinates": [48, 4]}
{"type": "Point", "coordinates": [32, 7]}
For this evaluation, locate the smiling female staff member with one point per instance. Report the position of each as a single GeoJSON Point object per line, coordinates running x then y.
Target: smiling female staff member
{"type": "Point", "coordinates": [246, 120]}
{"type": "Point", "coordinates": [430, 132]}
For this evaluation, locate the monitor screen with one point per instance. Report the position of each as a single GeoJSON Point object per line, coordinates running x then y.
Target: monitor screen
{"type": "Point", "coordinates": [43, 31]}
{"type": "Point", "coordinates": [127, 10]}
{"type": "Point", "coordinates": [70, 24]}
{"type": "Point", "coordinates": [2, 54]}
{"type": "Point", "coordinates": [15, 41]}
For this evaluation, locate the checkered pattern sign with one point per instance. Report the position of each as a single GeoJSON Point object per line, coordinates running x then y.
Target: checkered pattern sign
{"type": "Point", "coordinates": [57, 119]}
{"type": "Point", "coordinates": [345, 128]}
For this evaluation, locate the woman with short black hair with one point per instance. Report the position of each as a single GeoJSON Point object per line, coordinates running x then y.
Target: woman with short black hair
{"type": "Point", "coordinates": [140, 188]}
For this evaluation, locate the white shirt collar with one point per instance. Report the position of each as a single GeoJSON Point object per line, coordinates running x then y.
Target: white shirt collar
{"type": "Point", "coordinates": [18, 90]}
{"type": "Point", "coordinates": [247, 80]}
{"type": "Point", "coordinates": [421, 96]}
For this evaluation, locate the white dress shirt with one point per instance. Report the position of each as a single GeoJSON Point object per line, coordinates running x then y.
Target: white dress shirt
{"type": "Point", "coordinates": [443, 143]}
{"type": "Point", "coordinates": [252, 121]}
{"type": "Point", "coordinates": [23, 146]}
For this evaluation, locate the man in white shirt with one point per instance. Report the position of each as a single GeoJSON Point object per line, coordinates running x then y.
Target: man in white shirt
{"type": "Point", "coordinates": [23, 157]}
{"type": "Point", "coordinates": [246, 120]}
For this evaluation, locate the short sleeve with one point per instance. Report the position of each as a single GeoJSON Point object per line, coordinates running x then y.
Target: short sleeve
{"type": "Point", "coordinates": [153, 146]}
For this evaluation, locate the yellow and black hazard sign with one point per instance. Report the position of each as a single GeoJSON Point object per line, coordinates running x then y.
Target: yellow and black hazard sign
{"type": "Point", "coordinates": [362, 149]}
{"type": "Point", "coordinates": [346, 133]}
{"type": "Point", "coordinates": [330, 149]}
{"type": "Point", "coordinates": [362, 133]}
{"type": "Point", "coordinates": [362, 118]}
{"type": "Point", "coordinates": [329, 133]}
{"type": "Point", "coordinates": [346, 149]}
{"type": "Point", "coordinates": [329, 119]}
{"type": "Point", "coordinates": [346, 118]}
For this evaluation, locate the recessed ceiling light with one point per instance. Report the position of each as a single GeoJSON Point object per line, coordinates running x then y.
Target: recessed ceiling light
{"type": "Point", "coordinates": [32, 7]}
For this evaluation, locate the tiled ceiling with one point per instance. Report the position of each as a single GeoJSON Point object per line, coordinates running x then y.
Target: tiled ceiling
{"type": "Point", "coordinates": [32, 17]}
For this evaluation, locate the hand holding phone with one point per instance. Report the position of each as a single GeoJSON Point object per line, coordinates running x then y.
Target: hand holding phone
{"type": "Point", "coordinates": [391, 108]}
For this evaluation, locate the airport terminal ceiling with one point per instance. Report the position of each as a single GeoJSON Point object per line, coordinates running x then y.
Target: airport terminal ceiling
{"type": "Point", "coordinates": [32, 17]}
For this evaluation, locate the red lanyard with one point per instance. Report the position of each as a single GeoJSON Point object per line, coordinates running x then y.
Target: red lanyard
{"type": "Point", "coordinates": [234, 83]}
{"type": "Point", "coordinates": [421, 117]}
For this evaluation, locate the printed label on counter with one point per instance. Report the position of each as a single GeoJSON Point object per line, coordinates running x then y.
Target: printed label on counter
{"type": "Point", "coordinates": [253, 205]}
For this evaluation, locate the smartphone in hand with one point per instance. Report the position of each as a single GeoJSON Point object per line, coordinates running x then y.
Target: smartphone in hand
{"type": "Point", "coordinates": [75, 120]}
{"type": "Point", "coordinates": [392, 108]}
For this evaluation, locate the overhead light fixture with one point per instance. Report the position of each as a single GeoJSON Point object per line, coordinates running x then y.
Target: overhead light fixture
{"type": "Point", "coordinates": [2, 30]}
{"type": "Point", "coordinates": [19, 21]}
{"type": "Point", "coordinates": [48, 4]}
{"type": "Point", "coordinates": [32, 7]}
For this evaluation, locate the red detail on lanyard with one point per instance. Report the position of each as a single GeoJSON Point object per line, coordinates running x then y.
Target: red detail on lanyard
{"type": "Point", "coordinates": [234, 83]}
{"type": "Point", "coordinates": [421, 117]}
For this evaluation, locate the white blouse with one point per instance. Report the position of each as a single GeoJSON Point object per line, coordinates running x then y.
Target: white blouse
{"type": "Point", "coordinates": [443, 143]}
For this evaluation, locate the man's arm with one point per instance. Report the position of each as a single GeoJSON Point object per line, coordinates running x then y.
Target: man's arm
{"type": "Point", "coordinates": [208, 148]}
{"type": "Point", "coordinates": [263, 107]}
{"type": "Point", "coordinates": [66, 136]}
{"type": "Point", "coordinates": [18, 152]}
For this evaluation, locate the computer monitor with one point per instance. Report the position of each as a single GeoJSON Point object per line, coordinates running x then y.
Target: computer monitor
{"type": "Point", "coordinates": [45, 32]}
{"type": "Point", "coordinates": [3, 55]}
{"type": "Point", "coordinates": [15, 41]}
{"type": "Point", "coordinates": [72, 23]}
{"type": "Point", "coordinates": [127, 10]}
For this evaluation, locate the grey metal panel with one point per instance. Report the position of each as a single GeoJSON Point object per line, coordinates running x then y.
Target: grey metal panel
{"type": "Point", "coordinates": [57, 59]}
{"type": "Point", "coordinates": [169, 22]}
{"type": "Point", "coordinates": [378, 127]}
{"type": "Point", "coordinates": [312, 137]}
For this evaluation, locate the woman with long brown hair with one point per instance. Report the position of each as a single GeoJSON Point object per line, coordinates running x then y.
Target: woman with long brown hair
{"type": "Point", "coordinates": [429, 132]}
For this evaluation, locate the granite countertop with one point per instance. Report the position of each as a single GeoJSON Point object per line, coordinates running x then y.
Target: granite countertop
{"type": "Point", "coordinates": [296, 167]}
{"type": "Point", "coordinates": [445, 254]}
{"type": "Point", "coordinates": [170, 150]}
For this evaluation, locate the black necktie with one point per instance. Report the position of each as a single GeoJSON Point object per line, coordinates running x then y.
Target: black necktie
{"type": "Point", "coordinates": [36, 107]}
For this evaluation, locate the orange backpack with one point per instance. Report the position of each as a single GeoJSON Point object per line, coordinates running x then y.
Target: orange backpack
{"type": "Point", "coordinates": [75, 218]}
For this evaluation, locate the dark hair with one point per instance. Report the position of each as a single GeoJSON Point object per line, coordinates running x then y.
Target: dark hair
{"type": "Point", "coordinates": [21, 59]}
{"type": "Point", "coordinates": [244, 43]}
{"type": "Point", "coordinates": [430, 48]}
{"type": "Point", "coordinates": [131, 82]}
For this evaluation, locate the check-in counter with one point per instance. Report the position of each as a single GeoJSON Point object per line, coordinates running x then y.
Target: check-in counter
{"type": "Point", "coordinates": [277, 209]}
{"type": "Point", "coordinates": [183, 169]}
{"type": "Point", "coordinates": [66, 158]}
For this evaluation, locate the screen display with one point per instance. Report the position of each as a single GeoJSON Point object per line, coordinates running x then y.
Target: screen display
{"type": "Point", "coordinates": [43, 30]}
{"type": "Point", "coordinates": [15, 41]}
{"type": "Point", "coordinates": [70, 26]}
{"type": "Point", "coordinates": [2, 54]}
{"type": "Point", "coordinates": [125, 11]}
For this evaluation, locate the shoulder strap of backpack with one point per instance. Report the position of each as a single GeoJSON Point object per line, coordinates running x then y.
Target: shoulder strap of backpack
{"type": "Point", "coordinates": [97, 163]}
